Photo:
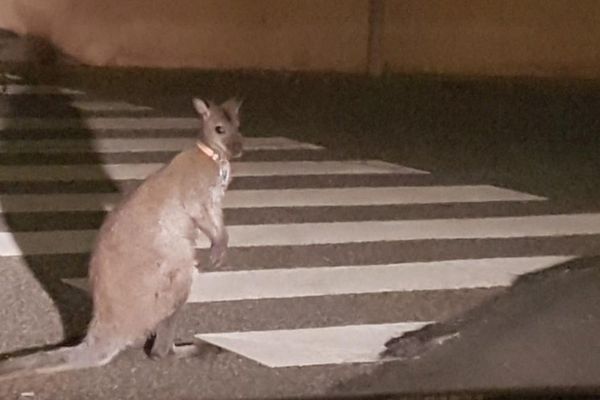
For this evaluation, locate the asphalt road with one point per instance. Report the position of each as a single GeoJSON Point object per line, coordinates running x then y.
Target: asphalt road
{"type": "Point", "coordinates": [528, 137]}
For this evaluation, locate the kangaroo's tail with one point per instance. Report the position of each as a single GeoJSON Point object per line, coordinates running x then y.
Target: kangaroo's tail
{"type": "Point", "coordinates": [84, 355]}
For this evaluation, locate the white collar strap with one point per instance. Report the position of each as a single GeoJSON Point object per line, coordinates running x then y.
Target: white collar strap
{"type": "Point", "coordinates": [208, 151]}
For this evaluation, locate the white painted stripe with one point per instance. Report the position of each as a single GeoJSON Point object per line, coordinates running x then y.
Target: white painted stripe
{"type": "Point", "coordinates": [58, 242]}
{"type": "Point", "coordinates": [327, 281]}
{"type": "Point", "coordinates": [311, 346]}
{"type": "Point", "coordinates": [140, 145]}
{"type": "Point", "coordinates": [12, 77]}
{"type": "Point", "coordinates": [303, 282]}
{"type": "Point", "coordinates": [285, 198]}
{"type": "Point", "coordinates": [364, 196]}
{"type": "Point", "coordinates": [108, 106]}
{"type": "Point", "coordinates": [372, 231]}
{"type": "Point", "coordinates": [278, 143]}
{"type": "Point", "coordinates": [141, 171]}
{"type": "Point", "coordinates": [100, 123]}
{"type": "Point", "coordinates": [12, 89]}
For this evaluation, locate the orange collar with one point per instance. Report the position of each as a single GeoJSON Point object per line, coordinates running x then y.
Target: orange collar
{"type": "Point", "coordinates": [208, 151]}
{"type": "Point", "coordinates": [224, 167]}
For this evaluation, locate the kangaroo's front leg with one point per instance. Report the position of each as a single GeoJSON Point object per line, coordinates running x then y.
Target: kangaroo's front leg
{"type": "Point", "coordinates": [219, 242]}
{"type": "Point", "coordinates": [210, 222]}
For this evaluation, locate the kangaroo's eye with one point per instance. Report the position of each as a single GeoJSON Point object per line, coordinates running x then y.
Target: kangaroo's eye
{"type": "Point", "coordinates": [220, 129]}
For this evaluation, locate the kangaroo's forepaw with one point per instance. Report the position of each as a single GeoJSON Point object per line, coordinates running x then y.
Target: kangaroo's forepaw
{"type": "Point", "coordinates": [217, 255]}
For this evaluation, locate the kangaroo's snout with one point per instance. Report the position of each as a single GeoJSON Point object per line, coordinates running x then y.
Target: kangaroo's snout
{"type": "Point", "coordinates": [236, 148]}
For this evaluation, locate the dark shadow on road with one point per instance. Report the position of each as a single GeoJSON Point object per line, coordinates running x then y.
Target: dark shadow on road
{"type": "Point", "coordinates": [73, 306]}
{"type": "Point", "coordinates": [538, 338]}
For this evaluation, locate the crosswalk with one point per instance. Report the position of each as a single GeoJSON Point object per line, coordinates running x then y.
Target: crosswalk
{"type": "Point", "coordinates": [317, 243]}
{"type": "Point", "coordinates": [304, 282]}
{"type": "Point", "coordinates": [138, 145]}
{"type": "Point", "coordinates": [356, 196]}
{"type": "Point", "coordinates": [17, 89]}
{"type": "Point", "coordinates": [242, 169]}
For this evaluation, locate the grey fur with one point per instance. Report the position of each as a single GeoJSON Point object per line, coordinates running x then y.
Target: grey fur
{"type": "Point", "coordinates": [141, 267]}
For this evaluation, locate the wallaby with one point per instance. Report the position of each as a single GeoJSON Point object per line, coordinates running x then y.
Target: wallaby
{"type": "Point", "coordinates": [141, 267]}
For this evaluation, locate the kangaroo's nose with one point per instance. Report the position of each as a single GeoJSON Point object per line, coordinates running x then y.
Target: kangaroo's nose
{"type": "Point", "coordinates": [236, 149]}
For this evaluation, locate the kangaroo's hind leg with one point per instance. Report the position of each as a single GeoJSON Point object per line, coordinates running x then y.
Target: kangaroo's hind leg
{"type": "Point", "coordinates": [164, 337]}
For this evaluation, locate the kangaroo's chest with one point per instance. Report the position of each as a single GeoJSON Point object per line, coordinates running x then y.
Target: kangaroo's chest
{"type": "Point", "coordinates": [217, 191]}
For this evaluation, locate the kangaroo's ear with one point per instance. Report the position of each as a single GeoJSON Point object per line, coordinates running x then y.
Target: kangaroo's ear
{"type": "Point", "coordinates": [202, 107]}
{"type": "Point", "coordinates": [232, 106]}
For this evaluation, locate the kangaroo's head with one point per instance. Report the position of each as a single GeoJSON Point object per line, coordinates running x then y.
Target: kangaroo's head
{"type": "Point", "coordinates": [220, 126]}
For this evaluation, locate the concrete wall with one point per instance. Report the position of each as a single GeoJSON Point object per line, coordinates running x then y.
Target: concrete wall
{"type": "Point", "coordinates": [274, 34]}
{"type": "Point", "coordinates": [498, 37]}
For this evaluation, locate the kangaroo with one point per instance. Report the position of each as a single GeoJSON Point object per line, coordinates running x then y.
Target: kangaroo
{"type": "Point", "coordinates": [141, 266]}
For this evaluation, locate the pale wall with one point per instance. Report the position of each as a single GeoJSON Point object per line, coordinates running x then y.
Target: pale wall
{"type": "Point", "coordinates": [274, 34]}
{"type": "Point", "coordinates": [498, 37]}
